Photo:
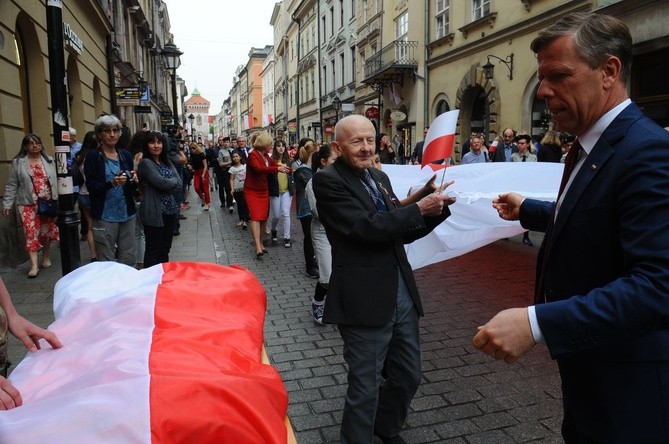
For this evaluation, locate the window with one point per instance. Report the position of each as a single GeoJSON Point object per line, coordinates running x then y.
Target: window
{"type": "Point", "coordinates": [341, 14]}
{"type": "Point", "coordinates": [442, 16]}
{"type": "Point", "coordinates": [353, 73]}
{"type": "Point", "coordinates": [401, 37]}
{"type": "Point", "coordinates": [325, 78]}
{"type": "Point", "coordinates": [313, 92]}
{"type": "Point", "coordinates": [332, 19]}
{"type": "Point", "coordinates": [480, 8]}
{"type": "Point", "coordinates": [342, 66]}
{"type": "Point", "coordinates": [402, 25]}
{"type": "Point", "coordinates": [324, 33]}
{"type": "Point", "coordinates": [334, 76]}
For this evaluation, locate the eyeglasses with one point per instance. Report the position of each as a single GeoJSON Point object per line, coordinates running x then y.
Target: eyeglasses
{"type": "Point", "coordinates": [112, 131]}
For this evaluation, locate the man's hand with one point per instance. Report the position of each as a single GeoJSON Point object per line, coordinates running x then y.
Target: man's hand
{"type": "Point", "coordinates": [508, 205]}
{"type": "Point", "coordinates": [506, 336]}
{"type": "Point", "coordinates": [30, 334]}
{"type": "Point", "coordinates": [9, 396]}
{"type": "Point", "coordinates": [433, 204]}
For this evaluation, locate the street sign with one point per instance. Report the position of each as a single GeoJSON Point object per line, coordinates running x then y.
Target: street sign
{"type": "Point", "coordinates": [315, 124]}
{"type": "Point", "coordinates": [127, 96]}
{"type": "Point", "coordinates": [144, 109]}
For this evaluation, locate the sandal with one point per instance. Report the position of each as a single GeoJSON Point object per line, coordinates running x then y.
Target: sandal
{"type": "Point", "coordinates": [33, 272]}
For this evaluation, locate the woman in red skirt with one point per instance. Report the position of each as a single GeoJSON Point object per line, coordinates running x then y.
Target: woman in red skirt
{"type": "Point", "coordinates": [198, 161]}
{"type": "Point", "coordinates": [258, 165]}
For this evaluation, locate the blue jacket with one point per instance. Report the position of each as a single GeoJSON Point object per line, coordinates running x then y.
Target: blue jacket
{"type": "Point", "coordinates": [98, 185]}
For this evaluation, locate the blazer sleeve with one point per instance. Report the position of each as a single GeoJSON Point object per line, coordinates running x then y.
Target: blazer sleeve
{"type": "Point", "coordinates": [536, 214]}
{"type": "Point", "coordinates": [345, 207]}
{"type": "Point", "coordinates": [256, 162]}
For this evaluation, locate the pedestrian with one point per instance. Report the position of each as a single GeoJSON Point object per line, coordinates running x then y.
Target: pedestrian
{"type": "Point", "coordinates": [281, 191]}
{"type": "Point", "coordinates": [237, 178]}
{"type": "Point", "coordinates": [324, 157]}
{"type": "Point", "coordinates": [111, 182]}
{"type": "Point", "coordinates": [602, 290]}
{"type": "Point", "coordinates": [161, 186]}
{"type": "Point", "coordinates": [84, 200]}
{"type": "Point", "coordinates": [372, 294]}
{"type": "Point", "coordinates": [198, 162]}
{"type": "Point", "coordinates": [259, 165]}
{"type": "Point", "coordinates": [33, 177]}
{"type": "Point", "coordinates": [224, 161]}
{"type": "Point", "coordinates": [302, 175]}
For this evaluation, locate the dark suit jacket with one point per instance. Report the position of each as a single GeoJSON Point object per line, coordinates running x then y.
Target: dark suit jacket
{"type": "Point", "coordinates": [607, 284]}
{"type": "Point", "coordinates": [367, 246]}
{"type": "Point", "coordinates": [500, 155]}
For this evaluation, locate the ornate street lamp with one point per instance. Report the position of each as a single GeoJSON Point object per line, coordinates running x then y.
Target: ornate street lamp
{"type": "Point", "coordinates": [336, 104]}
{"type": "Point", "coordinates": [191, 118]}
{"type": "Point", "coordinates": [489, 68]}
{"type": "Point", "coordinates": [172, 57]}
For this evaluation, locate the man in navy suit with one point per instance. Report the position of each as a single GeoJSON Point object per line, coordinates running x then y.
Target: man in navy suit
{"type": "Point", "coordinates": [602, 290]}
{"type": "Point", "coordinates": [372, 294]}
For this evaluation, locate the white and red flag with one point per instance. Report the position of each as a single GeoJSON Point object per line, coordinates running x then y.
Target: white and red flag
{"type": "Point", "coordinates": [438, 144]}
{"type": "Point", "coordinates": [170, 354]}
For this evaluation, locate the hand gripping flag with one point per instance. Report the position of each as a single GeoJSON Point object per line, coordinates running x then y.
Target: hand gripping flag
{"type": "Point", "coordinates": [440, 137]}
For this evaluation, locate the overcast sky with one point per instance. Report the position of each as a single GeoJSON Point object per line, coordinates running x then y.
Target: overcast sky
{"type": "Point", "coordinates": [215, 37]}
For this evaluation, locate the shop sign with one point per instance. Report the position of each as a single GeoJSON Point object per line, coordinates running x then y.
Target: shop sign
{"type": "Point", "coordinates": [72, 40]}
{"type": "Point", "coordinates": [372, 112]}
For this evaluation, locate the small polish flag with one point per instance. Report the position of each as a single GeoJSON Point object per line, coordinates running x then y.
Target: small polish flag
{"type": "Point", "coordinates": [440, 137]}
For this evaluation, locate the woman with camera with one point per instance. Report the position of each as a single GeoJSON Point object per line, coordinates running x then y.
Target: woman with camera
{"type": "Point", "coordinates": [111, 180]}
{"type": "Point", "coordinates": [33, 176]}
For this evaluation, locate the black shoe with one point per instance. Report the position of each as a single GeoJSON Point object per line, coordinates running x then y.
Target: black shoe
{"type": "Point", "coordinates": [176, 233]}
{"type": "Point", "coordinates": [259, 256]}
{"type": "Point", "coordinates": [394, 440]}
{"type": "Point", "coordinates": [312, 272]}
{"type": "Point", "coordinates": [528, 242]}
{"type": "Point", "coordinates": [182, 217]}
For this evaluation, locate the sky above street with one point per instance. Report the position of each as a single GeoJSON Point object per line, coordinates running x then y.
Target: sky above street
{"type": "Point", "coordinates": [215, 37]}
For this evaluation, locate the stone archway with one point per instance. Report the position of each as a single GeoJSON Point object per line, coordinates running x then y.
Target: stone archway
{"type": "Point", "coordinates": [472, 86]}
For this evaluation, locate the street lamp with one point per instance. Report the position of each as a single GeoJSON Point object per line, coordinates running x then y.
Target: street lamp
{"type": "Point", "coordinates": [336, 104]}
{"type": "Point", "coordinates": [171, 55]}
{"type": "Point", "coordinates": [489, 68]}
{"type": "Point", "coordinates": [191, 117]}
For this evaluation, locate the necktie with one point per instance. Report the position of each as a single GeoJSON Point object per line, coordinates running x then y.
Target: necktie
{"type": "Point", "coordinates": [524, 157]}
{"type": "Point", "coordinates": [569, 164]}
{"type": "Point", "coordinates": [373, 191]}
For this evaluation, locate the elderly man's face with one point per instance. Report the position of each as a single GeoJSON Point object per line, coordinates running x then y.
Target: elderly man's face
{"type": "Point", "coordinates": [476, 144]}
{"type": "Point", "coordinates": [355, 142]}
{"type": "Point", "coordinates": [241, 142]}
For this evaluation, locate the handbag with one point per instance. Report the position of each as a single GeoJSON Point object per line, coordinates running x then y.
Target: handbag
{"type": "Point", "coordinates": [45, 207]}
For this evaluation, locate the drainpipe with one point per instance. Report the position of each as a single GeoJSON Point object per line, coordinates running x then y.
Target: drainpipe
{"type": "Point", "coordinates": [297, 84]}
{"type": "Point", "coordinates": [318, 73]}
{"type": "Point", "coordinates": [426, 82]}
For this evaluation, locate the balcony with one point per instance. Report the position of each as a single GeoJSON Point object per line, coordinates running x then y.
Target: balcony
{"type": "Point", "coordinates": [392, 64]}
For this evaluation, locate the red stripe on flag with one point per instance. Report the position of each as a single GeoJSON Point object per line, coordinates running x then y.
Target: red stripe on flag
{"type": "Point", "coordinates": [438, 149]}
{"type": "Point", "coordinates": [207, 382]}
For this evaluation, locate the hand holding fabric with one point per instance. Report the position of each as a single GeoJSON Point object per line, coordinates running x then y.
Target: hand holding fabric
{"type": "Point", "coordinates": [9, 396]}
{"type": "Point", "coordinates": [508, 205]}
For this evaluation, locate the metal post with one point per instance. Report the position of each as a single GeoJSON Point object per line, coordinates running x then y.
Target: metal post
{"type": "Point", "coordinates": [175, 115]}
{"type": "Point", "coordinates": [68, 222]}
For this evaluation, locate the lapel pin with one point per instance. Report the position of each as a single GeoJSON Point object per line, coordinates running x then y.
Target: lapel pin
{"type": "Point", "coordinates": [593, 167]}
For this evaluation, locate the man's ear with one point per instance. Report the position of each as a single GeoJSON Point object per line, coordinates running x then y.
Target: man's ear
{"type": "Point", "coordinates": [611, 71]}
{"type": "Point", "coordinates": [336, 148]}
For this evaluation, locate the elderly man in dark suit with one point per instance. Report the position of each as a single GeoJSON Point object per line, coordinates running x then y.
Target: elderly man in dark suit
{"type": "Point", "coordinates": [602, 291]}
{"type": "Point", "coordinates": [372, 294]}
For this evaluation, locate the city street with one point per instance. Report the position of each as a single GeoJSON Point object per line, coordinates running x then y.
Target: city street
{"type": "Point", "coordinates": [465, 396]}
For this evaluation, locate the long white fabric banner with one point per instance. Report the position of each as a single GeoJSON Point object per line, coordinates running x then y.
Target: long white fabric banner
{"type": "Point", "coordinates": [473, 222]}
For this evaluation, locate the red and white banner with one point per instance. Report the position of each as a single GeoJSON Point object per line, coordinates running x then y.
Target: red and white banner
{"type": "Point", "coordinates": [438, 144]}
{"type": "Point", "coordinates": [164, 355]}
